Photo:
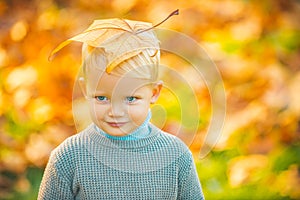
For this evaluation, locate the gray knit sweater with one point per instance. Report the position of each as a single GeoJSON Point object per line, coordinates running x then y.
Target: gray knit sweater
{"type": "Point", "coordinates": [89, 165]}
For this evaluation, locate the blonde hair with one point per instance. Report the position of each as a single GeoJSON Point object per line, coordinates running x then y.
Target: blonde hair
{"type": "Point", "coordinates": [135, 53]}
{"type": "Point", "coordinates": [119, 46]}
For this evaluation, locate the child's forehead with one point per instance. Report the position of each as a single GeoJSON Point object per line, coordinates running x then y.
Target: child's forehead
{"type": "Point", "coordinates": [108, 82]}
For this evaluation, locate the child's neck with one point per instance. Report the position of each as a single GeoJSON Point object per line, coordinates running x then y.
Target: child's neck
{"type": "Point", "coordinates": [140, 132]}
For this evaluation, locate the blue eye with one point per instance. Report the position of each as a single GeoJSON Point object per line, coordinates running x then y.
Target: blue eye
{"type": "Point", "coordinates": [101, 98]}
{"type": "Point", "coordinates": [131, 99]}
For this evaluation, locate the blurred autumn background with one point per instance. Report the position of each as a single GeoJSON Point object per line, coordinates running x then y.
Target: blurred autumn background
{"type": "Point", "coordinates": [256, 48]}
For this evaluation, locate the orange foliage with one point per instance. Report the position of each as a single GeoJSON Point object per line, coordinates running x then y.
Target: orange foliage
{"type": "Point", "coordinates": [255, 45]}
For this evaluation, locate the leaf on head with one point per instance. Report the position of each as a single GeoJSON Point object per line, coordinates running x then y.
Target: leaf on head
{"type": "Point", "coordinates": [120, 38]}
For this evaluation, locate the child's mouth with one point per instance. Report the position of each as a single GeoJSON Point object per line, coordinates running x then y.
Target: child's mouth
{"type": "Point", "coordinates": [116, 124]}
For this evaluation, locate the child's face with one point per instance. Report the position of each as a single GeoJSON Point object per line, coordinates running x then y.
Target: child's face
{"type": "Point", "coordinates": [118, 105]}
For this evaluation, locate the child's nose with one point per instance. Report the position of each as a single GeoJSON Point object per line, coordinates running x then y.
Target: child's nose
{"type": "Point", "coordinates": [116, 110]}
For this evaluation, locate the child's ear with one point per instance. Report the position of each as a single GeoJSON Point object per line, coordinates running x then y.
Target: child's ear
{"type": "Point", "coordinates": [156, 91]}
{"type": "Point", "coordinates": [82, 84]}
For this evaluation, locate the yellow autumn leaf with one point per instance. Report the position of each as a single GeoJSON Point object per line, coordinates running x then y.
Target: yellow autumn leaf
{"type": "Point", "coordinates": [120, 38]}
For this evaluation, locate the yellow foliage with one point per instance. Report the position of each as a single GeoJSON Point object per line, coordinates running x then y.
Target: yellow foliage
{"type": "Point", "coordinates": [18, 31]}
{"type": "Point", "coordinates": [254, 44]}
{"type": "Point", "coordinates": [23, 76]}
{"type": "Point", "coordinates": [242, 169]}
{"type": "Point", "coordinates": [40, 110]}
{"type": "Point", "coordinates": [288, 182]}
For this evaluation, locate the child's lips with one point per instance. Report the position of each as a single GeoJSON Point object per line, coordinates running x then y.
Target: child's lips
{"type": "Point", "coordinates": [116, 124]}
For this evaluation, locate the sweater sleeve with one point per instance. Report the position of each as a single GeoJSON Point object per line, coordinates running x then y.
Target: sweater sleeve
{"type": "Point", "coordinates": [54, 185]}
{"type": "Point", "coordinates": [189, 184]}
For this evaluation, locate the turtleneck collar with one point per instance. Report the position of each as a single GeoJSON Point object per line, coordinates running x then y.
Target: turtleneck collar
{"type": "Point", "coordinates": [140, 132]}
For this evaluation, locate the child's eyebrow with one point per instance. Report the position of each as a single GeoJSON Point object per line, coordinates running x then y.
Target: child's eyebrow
{"type": "Point", "coordinates": [100, 92]}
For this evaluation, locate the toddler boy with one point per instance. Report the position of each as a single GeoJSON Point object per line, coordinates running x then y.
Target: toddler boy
{"type": "Point", "coordinates": [121, 155]}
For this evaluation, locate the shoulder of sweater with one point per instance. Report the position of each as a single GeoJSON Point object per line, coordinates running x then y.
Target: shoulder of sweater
{"type": "Point", "coordinates": [63, 158]}
{"type": "Point", "coordinates": [177, 148]}
{"type": "Point", "coordinates": [171, 140]}
{"type": "Point", "coordinates": [71, 146]}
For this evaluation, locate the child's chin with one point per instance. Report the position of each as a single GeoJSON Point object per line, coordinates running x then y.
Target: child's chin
{"type": "Point", "coordinates": [117, 132]}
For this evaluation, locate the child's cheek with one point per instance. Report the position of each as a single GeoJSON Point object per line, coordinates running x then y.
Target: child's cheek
{"type": "Point", "coordinates": [96, 111]}
{"type": "Point", "coordinates": [137, 114]}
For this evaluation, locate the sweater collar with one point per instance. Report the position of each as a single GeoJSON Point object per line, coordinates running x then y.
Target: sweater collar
{"type": "Point", "coordinates": [103, 141]}
{"type": "Point", "coordinates": [140, 132]}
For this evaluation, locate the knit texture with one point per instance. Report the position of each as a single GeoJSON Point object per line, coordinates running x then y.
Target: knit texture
{"type": "Point", "coordinates": [89, 165]}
